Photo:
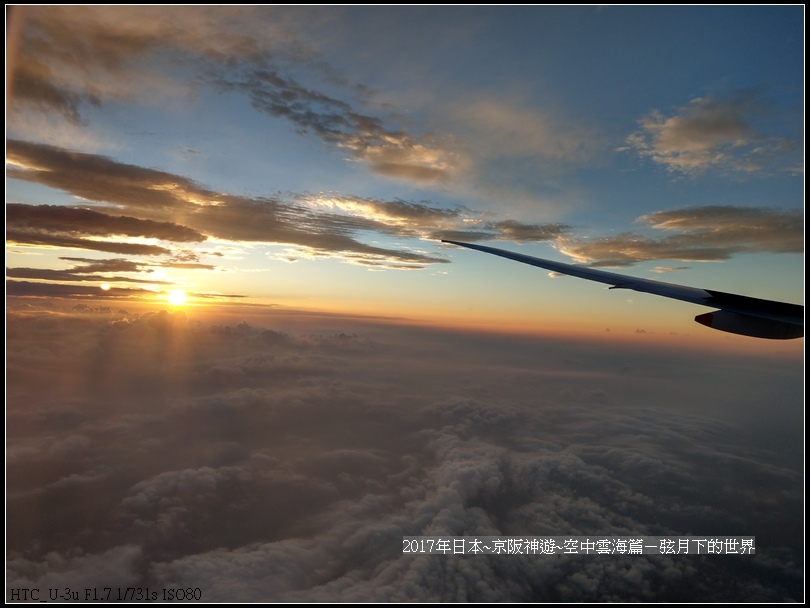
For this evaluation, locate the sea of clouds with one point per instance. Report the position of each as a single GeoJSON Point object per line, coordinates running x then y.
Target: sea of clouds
{"type": "Point", "coordinates": [277, 461]}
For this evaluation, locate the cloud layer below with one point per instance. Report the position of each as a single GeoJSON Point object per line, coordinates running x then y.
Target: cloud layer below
{"type": "Point", "coordinates": [263, 463]}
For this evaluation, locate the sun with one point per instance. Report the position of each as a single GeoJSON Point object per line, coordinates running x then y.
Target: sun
{"type": "Point", "coordinates": [177, 297]}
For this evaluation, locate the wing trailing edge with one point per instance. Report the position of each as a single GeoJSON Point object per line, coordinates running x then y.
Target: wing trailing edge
{"type": "Point", "coordinates": [737, 314]}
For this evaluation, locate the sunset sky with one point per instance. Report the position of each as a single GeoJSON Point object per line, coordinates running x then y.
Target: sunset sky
{"type": "Point", "coordinates": [314, 157]}
{"type": "Point", "coordinates": [240, 360]}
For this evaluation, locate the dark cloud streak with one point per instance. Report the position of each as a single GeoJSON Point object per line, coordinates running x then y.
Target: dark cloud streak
{"type": "Point", "coordinates": [46, 274]}
{"type": "Point", "coordinates": [61, 290]}
{"type": "Point", "coordinates": [711, 233]}
{"type": "Point", "coordinates": [197, 212]}
{"type": "Point", "coordinates": [159, 196]}
{"type": "Point", "coordinates": [60, 219]}
{"type": "Point", "coordinates": [21, 237]}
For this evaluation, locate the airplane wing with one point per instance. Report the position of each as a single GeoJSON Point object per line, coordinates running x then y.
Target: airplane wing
{"type": "Point", "coordinates": [737, 314]}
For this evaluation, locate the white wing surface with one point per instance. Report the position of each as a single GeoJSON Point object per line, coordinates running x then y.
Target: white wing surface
{"type": "Point", "coordinates": [737, 314]}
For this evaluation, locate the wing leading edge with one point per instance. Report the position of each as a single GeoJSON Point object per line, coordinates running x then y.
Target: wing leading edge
{"type": "Point", "coordinates": [737, 314]}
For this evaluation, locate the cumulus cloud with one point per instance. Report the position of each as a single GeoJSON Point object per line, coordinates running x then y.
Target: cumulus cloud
{"type": "Point", "coordinates": [710, 133]}
{"type": "Point", "coordinates": [712, 233]}
{"type": "Point", "coordinates": [260, 463]}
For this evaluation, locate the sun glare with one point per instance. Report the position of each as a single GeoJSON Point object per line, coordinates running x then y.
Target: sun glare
{"type": "Point", "coordinates": [177, 297]}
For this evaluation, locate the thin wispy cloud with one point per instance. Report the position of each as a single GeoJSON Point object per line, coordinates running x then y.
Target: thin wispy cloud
{"type": "Point", "coordinates": [41, 239]}
{"type": "Point", "coordinates": [711, 133]}
{"type": "Point", "coordinates": [700, 234]}
{"type": "Point", "coordinates": [107, 271]}
{"type": "Point", "coordinates": [156, 196]}
{"type": "Point", "coordinates": [429, 222]}
{"type": "Point", "coordinates": [72, 60]}
{"type": "Point", "coordinates": [87, 222]}
{"type": "Point", "coordinates": [48, 289]}
{"type": "Point", "coordinates": [96, 55]}
{"type": "Point", "coordinates": [506, 128]}
{"type": "Point", "coordinates": [322, 227]}
{"type": "Point", "coordinates": [78, 273]}
{"type": "Point", "coordinates": [121, 265]}
{"type": "Point", "coordinates": [315, 227]}
{"type": "Point", "coordinates": [385, 149]}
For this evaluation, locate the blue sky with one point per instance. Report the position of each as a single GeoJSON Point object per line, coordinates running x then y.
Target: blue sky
{"type": "Point", "coordinates": [309, 147]}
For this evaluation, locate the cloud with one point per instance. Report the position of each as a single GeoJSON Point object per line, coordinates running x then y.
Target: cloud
{"type": "Point", "coordinates": [330, 226]}
{"type": "Point", "coordinates": [66, 227]}
{"type": "Point", "coordinates": [154, 197]}
{"type": "Point", "coordinates": [22, 237]}
{"type": "Point", "coordinates": [157, 196]}
{"type": "Point", "coordinates": [429, 222]}
{"type": "Point", "coordinates": [712, 233]}
{"type": "Point", "coordinates": [709, 133]}
{"type": "Point", "coordinates": [262, 464]}
{"type": "Point", "coordinates": [56, 219]}
{"type": "Point", "coordinates": [511, 230]}
{"type": "Point", "coordinates": [508, 128]}
{"type": "Point", "coordinates": [98, 271]}
{"type": "Point", "coordinates": [89, 265]}
{"type": "Point", "coordinates": [121, 265]}
{"type": "Point", "coordinates": [62, 290]}
{"type": "Point", "coordinates": [172, 208]}
{"type": "Point", "coordinates": [665, 269]}
{"type": "Point", "coordinates": [93, 56]}
{"type": "Point", "coordinates": [386, 150]}
{"type": "Point", "coordinates": [75, 274]}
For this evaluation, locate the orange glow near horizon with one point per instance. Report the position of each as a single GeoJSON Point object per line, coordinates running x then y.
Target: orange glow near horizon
{"type": "Point", "coordinates": [664, 332]}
